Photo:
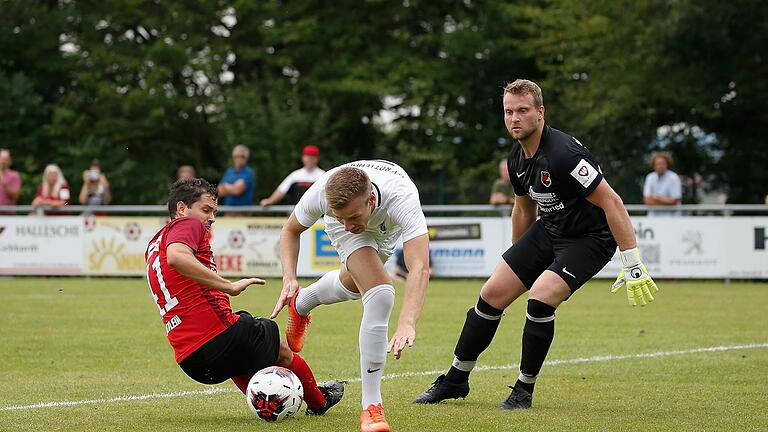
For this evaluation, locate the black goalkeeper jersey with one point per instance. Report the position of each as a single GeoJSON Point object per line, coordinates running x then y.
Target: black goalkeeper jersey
{"type": "Point", "coordinates": [558, 178]}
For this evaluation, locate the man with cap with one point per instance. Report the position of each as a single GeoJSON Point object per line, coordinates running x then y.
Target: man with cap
{"type": "Point", "coordinates": [298, 181]}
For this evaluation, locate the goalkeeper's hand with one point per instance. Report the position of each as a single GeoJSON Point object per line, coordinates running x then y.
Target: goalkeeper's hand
{"type": "Point", "coordinates": [640, 286]}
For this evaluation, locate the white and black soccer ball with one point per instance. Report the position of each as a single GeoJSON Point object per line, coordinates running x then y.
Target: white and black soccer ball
{"type": "Point", "coordinates": [274, 393]}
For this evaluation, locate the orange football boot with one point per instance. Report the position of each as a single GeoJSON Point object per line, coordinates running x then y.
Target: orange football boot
{"type": "Point", "coordinates": [372, 419]}
{"type": "Point", "coordinates": [296, 332]}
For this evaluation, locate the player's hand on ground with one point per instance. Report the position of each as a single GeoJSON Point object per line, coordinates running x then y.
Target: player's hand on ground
{"type": "Point", "coordinates": [404, 336]}
{"type": "Point", "coordinates": [635, 278]}
{"type": "Point", "coordinates": [290, 288]}
{"type": "Point", "coordinates": [235, 288]}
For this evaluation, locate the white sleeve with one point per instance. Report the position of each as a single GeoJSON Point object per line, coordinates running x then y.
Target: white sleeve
{"type": "Point", "coordinates": [677, 188]}
{"type": "Point", "coordinates": [411, 218]}
{"type": "Point", "coordinates": [648, 185]}
{"type": "Point", "coordinates": [286, 183]}
{"type": "Point", "coordinates": [311, 206]}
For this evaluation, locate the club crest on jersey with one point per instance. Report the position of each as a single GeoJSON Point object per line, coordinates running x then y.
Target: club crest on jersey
{"type": "Point", "coordinates": [546, 180]}
{"type": "Point", "coordinates": [583, 171]}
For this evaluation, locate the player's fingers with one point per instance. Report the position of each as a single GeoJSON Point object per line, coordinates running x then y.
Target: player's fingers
{"type": "Point", "coordinates": [278, 306]}
{"type": "Point", "coordinates": [617, 285]}
{"type": "Point", "coordinates": [390, 345]}
{"type": "Point", "coordinates": [257, 281]}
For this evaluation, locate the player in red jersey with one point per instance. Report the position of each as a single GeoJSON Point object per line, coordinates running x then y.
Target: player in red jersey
{"type": "Point", "coordinates": [211, 343]}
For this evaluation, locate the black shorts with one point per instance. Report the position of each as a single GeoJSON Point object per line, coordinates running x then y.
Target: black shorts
{"type": "Point", "coordinates": [247, 346]}
{"type": "Point", "coordinates": [574, 259]}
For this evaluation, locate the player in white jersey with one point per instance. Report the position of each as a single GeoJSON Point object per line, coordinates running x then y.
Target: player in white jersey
{"type": "Point", "coordinates": [366, 207]}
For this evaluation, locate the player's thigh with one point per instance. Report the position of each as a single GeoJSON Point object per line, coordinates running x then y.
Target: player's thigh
{"type": "Point", "coordinates": [502, 288]}
{"type": "Point", "coordinates": [550, 288]}
{"type": "Point", "coordinates": [366, 269]}
{"type": "Point", "coordinates": [530, 255]}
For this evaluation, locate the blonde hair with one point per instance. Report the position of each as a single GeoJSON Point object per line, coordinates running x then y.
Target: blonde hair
{"type": "Point", "coordinates": [60, 180]}
{"type": "Point", "coordinates": [524, 86]}
{"type": "Point", "coordinates": [346, 184]}
{"type": "Point", "coordinates": [661, 154]}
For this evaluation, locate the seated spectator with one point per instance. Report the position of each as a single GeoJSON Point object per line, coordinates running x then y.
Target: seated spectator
{"type": "Point", "coordinates": [400, 272]}
{"type": "Point", "coordinates": [299, 180]}
{"type": "Point", "coordinates": [766, 199]}
{"type": "Point", "coordinates": [95, 190]}
{"type": "Point", "coordinates": [10, 181]}
{"type": "Point", "coordinates": [186, 172]}
{"type": "Point", "coordinates": [501, 191]}
{"type": "Point", "coordinates": [237, 184]}
{"type": "Point", "coordinates": [54, 190]}
{"type": "Point", "coordinates": [662, 186]}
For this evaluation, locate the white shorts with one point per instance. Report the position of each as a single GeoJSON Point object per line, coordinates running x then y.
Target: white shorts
{"type": "Point", "coordinates": [345, 242]}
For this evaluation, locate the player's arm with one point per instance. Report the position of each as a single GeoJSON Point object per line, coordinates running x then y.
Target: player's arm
{"type": "Point", "coordinates": [416, 253]}
{"type": "Point", "coordinates": [523, 216]}
{"type": "Point", "coordinates": [182, 258]}
{"type": "Point", "coordinates": [290, 238]}
{"type": "Point", "coordinates": [618, 219]}
{"type": "Point", "coordinates": [633, 276]}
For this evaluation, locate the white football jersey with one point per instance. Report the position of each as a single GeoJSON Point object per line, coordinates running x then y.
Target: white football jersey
{"type": "Point", "coordinates": [398, 209]}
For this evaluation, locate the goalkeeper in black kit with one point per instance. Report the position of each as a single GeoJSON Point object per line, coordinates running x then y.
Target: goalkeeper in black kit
{"type": "Point", "coordinates": [582, 221]}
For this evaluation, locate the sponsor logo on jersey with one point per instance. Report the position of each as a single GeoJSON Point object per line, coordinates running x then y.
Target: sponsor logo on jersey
{"type": "Point", "coordinates": [546, 180]}
{"type": "Point", "coordinates": [172, 323]}
{"type": "Point", "coordinates": [548, 202]}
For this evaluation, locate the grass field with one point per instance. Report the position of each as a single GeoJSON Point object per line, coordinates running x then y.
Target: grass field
{"type": "Point", "coordinates": [79, 354]}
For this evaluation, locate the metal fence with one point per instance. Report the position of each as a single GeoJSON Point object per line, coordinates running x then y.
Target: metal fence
{"type": "Point", "coordinates": [463, 209]}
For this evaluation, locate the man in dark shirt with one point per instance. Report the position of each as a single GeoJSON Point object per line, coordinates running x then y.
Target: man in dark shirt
{"type": "Point", "coordinates": [582, 221]}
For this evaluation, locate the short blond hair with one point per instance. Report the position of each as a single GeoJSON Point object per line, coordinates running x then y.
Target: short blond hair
{"type": "Point", "coordinates": [346, 184]}
{"type": "Point", "coordinates": [524, 86]}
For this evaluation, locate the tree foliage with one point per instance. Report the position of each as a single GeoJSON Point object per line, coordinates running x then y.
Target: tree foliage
{"type": "Point", "coordinates": [147, 86]}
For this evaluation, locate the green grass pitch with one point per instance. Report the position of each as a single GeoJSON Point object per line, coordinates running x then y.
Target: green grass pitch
{"type": "Point", "coordinates": [93, 341]}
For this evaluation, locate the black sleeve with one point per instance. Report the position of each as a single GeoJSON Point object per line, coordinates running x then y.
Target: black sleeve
{"type": "Point", "coordinates": [577, 168]}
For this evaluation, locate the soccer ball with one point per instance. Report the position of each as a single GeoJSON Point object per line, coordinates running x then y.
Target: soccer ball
{"type": "Point", "coordinates": [274, 393]}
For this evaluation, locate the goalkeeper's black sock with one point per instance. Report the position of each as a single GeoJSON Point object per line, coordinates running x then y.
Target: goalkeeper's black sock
{"type": "Point", "coordinates": [538, 333]}
{"type": "Point", "coordinates": [477, 333]}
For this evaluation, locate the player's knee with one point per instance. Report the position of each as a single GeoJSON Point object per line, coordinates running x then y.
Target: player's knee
{"type": "Point", "coordinates": [380, 297]}
{"type": "Point", "coordinates": [497, 295]}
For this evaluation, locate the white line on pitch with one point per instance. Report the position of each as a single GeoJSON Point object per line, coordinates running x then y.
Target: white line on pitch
{"type": "Point", "coordinates": [216, 390]}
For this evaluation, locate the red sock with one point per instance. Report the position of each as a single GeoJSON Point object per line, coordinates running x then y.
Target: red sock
{"type": "Point", "coordinates": [312, 394]}
{"type": "Point", "coordinates": [242, 382]}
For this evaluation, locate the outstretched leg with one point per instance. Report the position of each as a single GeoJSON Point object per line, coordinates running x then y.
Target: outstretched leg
{"type": "Point", "coordinates": [501, 289]}
{"type": "Point", "coordinates": [328, 289]}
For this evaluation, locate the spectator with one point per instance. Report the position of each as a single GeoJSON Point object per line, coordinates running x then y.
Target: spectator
{"type": "Point", "coordinates": [54, 190]}
{"type": "Point", "coordinates": [662, 185]}
{"type": "Point", "coordinates": [501, 191]}
{"type": "Point", "coordinates": [186, 172]}
{"type": "Point", "coordinates": [95, 190]}
{"type": "Point", "coordinates": [300, 180]}
{"type": "Point", "coordinates": [766, 199]}
{"type": "Point", "coordinates": [400, 271]}
{"type": "Point", "coordinates": [237, 184]}
{"type": "Point", "coordinates": [10, 182]}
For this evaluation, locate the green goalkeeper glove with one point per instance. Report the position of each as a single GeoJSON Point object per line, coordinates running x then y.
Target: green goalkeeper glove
{"type": "Point", "coordinates": [640, 286]}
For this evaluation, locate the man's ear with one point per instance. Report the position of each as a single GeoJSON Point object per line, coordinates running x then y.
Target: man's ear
{"type": "Point", "coordinates": [180, 208]}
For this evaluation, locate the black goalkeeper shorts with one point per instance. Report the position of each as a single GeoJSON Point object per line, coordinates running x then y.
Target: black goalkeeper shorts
{"type": "Point", "coordinates": [247, 346]}
{"type": "Point", "coordinates": [575, 259]}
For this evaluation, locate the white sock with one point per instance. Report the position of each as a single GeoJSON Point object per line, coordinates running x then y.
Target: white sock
{"type": "Point", "coordinates": [377, 306]}
{"type": "Point", "coordinates": [327, 290]}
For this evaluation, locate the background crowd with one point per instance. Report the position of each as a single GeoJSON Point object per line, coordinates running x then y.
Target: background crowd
{"type": "Point", "coordinates": [662, 187]}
